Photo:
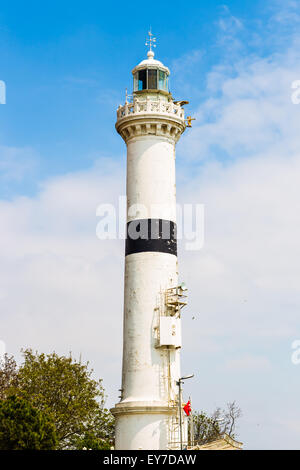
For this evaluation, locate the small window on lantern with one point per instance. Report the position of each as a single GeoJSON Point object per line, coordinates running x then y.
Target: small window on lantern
{"type": "Point", "coordinates": [162, 82]}
{"type": "Point", "coordinates": [152, 79]}
{"type": "Point", "coordinates": [142, 80]}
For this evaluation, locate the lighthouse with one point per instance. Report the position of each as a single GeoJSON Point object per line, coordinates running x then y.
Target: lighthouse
{"type": "Point", "coordinates": [151, 123]}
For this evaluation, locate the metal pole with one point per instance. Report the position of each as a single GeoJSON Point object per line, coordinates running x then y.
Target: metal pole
{"type": "Point", "coordinates": [180, 381]}
{"type": "Point", "coordinates": [180, 415]}
{"type": "Point", "coordinates": [191, 424]}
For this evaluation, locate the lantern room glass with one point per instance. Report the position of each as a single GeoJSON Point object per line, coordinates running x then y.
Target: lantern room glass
{"type": "Point", "coordinates": [150, 79]}
{"type": "Point", "coordinates": [142, 83]}
{"type": "Point", "coordinates": [162, 80]}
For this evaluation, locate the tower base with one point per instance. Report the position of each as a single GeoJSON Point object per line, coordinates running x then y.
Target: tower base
{"type": "Point", "coordinates": [142, 425]}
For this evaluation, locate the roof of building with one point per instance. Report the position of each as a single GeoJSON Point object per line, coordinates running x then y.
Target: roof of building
{"type": "Point", "coordinates": [224, 442]}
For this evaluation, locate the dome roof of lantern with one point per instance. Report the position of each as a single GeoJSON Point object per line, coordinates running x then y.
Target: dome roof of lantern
{"type": "Point", "coordinates": [150, 62]}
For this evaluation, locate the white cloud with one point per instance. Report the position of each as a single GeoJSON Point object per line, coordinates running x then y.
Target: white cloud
{"type": "Point", "coordinates": [228, 22]}
{"type": "Point", "coordinates": [16, 162]}
{"type": "Point", "coordinates": [61, 287]}
{"type": "Point", "coordinates": [249, 110]}
{"type": "Point", "coordinates": [244, 285]}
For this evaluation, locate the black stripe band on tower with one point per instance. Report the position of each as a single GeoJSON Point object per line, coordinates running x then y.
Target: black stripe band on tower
{"type": "Point", "coordinates": [156, 235]}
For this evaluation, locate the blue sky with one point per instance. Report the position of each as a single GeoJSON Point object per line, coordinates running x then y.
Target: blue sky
{"type": "Point", "coordinates": [66, 66]}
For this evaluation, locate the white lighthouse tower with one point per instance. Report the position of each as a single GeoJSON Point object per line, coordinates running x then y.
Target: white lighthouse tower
{"type": "Point", "coordinates": [147, 416]}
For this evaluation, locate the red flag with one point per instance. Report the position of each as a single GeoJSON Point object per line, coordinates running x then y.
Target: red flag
{"type": "Point", "coordinates": [187, 408]}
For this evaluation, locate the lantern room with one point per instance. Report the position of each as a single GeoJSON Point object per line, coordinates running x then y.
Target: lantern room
{"type": "Point", "coordinates": [151, 75]}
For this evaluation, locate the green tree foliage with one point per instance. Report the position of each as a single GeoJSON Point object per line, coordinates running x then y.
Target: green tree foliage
{"type": "Point", "coordinates": [99, 434]}
{"type": "Point", "coordinates": [24, 427]}
{"type": "Point", "coordinates": [8, 376]}
{"type": "Point", "coordinates": [206, 429]}
{"type": "Point", "coordinates": [65, 389]}
{"type": "Point", "coordinates": [222, 421]}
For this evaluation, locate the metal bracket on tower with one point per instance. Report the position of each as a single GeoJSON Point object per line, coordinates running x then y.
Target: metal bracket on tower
{"type": "Point", "coordinates": [168, 331]}
{"type": "Point", "coordinates": [174, 299]}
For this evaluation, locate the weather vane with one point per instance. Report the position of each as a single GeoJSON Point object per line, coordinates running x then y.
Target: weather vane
{"type": "Point", "coordinates": [150, 42]}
